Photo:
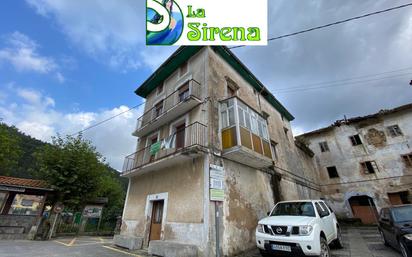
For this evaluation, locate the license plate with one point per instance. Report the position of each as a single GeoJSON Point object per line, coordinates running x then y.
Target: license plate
{"type": "Point", "coordinates": [285, 248]}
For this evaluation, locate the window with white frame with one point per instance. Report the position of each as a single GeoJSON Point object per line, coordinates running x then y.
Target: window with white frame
{"type": "Point", "coordinates": [227, 114]}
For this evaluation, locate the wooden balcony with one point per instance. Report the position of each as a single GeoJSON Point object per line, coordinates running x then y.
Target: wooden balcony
{"type": "Point", "coordinates": [174, 105]}
{"type": "Point", "coordinates": [188, 142]}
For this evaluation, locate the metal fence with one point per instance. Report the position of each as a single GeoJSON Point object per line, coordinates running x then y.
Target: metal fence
{"type": "Point", "coordinates": [190, 136]}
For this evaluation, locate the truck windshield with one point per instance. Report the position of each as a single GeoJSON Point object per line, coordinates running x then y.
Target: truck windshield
{"type": "Point", "coordinates": [294, 209]}
{"type": "Point", "coordinates": [402, 214]}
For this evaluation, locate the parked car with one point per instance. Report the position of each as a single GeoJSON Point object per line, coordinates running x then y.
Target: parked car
{"type": "Point", "coordinates": [395, 227]}
{"type": "Point", "coordinates": [305, 227]}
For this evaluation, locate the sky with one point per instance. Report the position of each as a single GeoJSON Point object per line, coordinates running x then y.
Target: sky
{"type": "Point", "coordinates": [65, 65]}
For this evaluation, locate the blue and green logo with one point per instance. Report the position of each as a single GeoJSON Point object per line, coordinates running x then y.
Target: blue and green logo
{"type": "Point", "coordinates": [164, 22]}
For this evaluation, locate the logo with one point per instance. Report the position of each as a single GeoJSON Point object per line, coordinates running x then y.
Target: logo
{"type": "Point", "coordinates": [279, 230]}
{"type": "Point", "coordinates": [211, 22]}
{"type": "Point", "coordinates": [164, 22]}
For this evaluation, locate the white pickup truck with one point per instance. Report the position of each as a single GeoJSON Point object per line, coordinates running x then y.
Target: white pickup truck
{"type": "Point", "coordinates": [298, 228]}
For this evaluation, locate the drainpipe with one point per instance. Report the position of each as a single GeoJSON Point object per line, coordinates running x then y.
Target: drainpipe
{"type": "Point", "coordinates": [217, 229]}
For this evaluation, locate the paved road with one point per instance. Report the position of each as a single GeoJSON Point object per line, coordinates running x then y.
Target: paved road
{"type": "Point", "coordinates": [65, 247]}
{"type": "Point", "coordinates": [358, 242]}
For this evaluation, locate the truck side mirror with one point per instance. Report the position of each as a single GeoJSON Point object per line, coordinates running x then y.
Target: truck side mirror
{"type": "Point", "coordinates": [268, 213]}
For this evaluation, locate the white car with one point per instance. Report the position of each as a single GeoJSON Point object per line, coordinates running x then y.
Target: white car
{"type": "Point", "coordinates": [304, 227]}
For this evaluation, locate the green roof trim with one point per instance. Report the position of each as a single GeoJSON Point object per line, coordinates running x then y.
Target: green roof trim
{"type": "Point", "coordinates": [166, 69]}
{"type": "Point", "coordinates": [185, 52]}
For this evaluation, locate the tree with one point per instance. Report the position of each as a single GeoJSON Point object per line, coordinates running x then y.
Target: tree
{"type": "Point", "coordinates": [10, 151]}
{"type": "Point", "coordinates": [73, 168]}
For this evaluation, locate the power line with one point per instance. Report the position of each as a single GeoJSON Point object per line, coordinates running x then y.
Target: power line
{"type": "Point", "coordinates": [342, 84]}
{"type": "Point", "coordinates": [108, 119]}
{"type": "Point", "coordinates": [342, 80]}
{"type": "Point", "coordinates": [333, 23]}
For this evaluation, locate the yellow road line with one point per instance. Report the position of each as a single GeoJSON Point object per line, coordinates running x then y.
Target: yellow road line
{"type": "Point", "coordinates": [61, 243]}
{"type": "Point", "coordinates": [72, 242]}
{"type": "Point", "coordinates": [120, 251]}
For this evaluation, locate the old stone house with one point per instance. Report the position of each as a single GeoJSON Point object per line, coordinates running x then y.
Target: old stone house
{"type": "Point", "coordinates": [365, 163]}
{"type": "Point", "coordinates": [214, 152]}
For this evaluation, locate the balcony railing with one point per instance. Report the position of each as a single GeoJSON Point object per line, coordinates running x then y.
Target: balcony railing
{"type": "Point", "coordinates": [183, 97]}
{"type": "Point", "coordinates": [181, 141]}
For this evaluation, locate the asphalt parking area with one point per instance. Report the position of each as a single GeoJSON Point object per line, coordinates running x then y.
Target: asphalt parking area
{"type": "Point", "coordinates": [357, 242]}
{"type": "Point", "coordinates": [65, 247]}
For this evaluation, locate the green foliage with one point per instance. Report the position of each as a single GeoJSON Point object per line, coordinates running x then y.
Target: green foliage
{"type": "Point", "coordinates": [16, 151]}
{"type": "Point", "coordinates": [10, 150]}
{"type": "Point", "coordinates": [71, 165]}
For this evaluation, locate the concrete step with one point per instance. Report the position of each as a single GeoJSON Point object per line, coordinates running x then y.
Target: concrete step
{"type": "Point", "coordinates": [13, 236]}
{"type": "Point", "coordinates": [172, 249]}
{"type": "Point", "coordinates": [11, 230]}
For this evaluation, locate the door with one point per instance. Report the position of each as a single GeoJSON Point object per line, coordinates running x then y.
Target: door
{"type": "Point", "coordinates": [153, 140]}
{"type": "Point", "coordinates": [180, 136]}
{"type": "Point", "coordinates": [156, 221]}
{"type": "Point", "coordinates": [363, 207]}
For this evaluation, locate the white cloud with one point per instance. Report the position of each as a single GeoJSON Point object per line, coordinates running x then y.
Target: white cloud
{"type": "Point", "coordinates": [22, 53]}
{"type": "Point", "coordinates": [36, 115]}
{"type": "Point", "coordinates": [110, 31]}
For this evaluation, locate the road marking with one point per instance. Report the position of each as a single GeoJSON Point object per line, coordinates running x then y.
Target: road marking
{"type": "Point", "coordinates": [61, 243]}
{"type": "Point", "coordinates": [120, 251]}
{"type": "Point", "coordinates": [72, 242]}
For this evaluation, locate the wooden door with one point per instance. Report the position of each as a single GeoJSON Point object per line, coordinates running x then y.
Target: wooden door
{"type": "Point", "coordinates": [395, 198]}
{"type": "Point", "coordinates": [180, 136]}
{"type": "Point", "coordinates": [156, 222]}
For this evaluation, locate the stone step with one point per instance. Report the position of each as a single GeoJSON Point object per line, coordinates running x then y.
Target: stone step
{"type": "Point", "coordinates": [13, 236]}
{"type": "Point", "coordinates": [172, 249]}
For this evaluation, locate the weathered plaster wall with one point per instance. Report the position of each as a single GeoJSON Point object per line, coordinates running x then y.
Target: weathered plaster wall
{"type": "Point", "coordinates": [249, 192]}
{"type": "Point", "coordinates": [377, 146]}
{"type": "Point", "coordinates": [184, 185]}
{"type": "Point", "coordinates": [248, 198]}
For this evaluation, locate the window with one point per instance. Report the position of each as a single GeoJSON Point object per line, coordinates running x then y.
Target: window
{"type": "Point", "coordinates": [369, 167]}
{"type": "Point", "coordinates": [184, 92]}
{"type": "Point", "coordinates": [323, 205]}
{"type": "Point", "coordinates": [3, 198]}
{"type": "Point", "coordinates": [294, 209]}
{"type": "Point", "coordinates": [394, 131]}
{"type": "Point", "coordinates": [333, 172]}
{"type": "Point", "coordinates": [407, 158]}
{"type": "Point", "coordinates": [322, 212]}
{"type": "Point", "coordinates": [158, 110]}
{"type": "Point", "coordinates": [273, 144]}
{"type": "Point", "coordinates": [230, 91]}
{"type": "Point", "coordinates": [227, 114]}
{"type": "Point", "coordinates": [324, 146]}
{"type": "Point", "coordinates": [159, 89]}
{"type": "Point", "coordinates": [26, 204]}
{"type": "Point", "coordinates": [286, 132]}
{"type": "Point", "coordinates": [356, 140]}
{"type": "Point", "coordinates": [183, 69]}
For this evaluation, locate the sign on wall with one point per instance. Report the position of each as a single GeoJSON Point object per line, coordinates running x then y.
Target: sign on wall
{"type": "Point", "coordinates": [216, 183]}
{"type": "Point", "coordinates": [92, 211]}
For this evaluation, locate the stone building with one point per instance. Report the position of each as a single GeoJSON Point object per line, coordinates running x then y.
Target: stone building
{"type": "Point", "coordinates": [215, 151]}
{"type": "Point", "coordinates": [365, 163]}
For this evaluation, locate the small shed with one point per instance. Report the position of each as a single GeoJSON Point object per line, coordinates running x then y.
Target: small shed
{"type": "Point", "coordinates": [22, 203]}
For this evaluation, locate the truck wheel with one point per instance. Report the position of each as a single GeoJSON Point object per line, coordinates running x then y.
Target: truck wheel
{"type": "Point", "coordinates": [264, 253]}
{"type": "Point", "coordinates": [337, 243]}
{"type": "Point", "coordinates": [324, 248]}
